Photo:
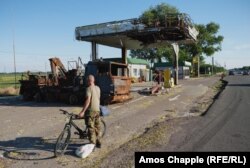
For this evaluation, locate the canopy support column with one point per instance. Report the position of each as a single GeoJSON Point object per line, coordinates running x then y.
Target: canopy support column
{"type": "Point", "coordinates": [176, 65]}
{"type": "Point", "coordinates": [94, 54]}
{"type": "Point", "coordinates": [124, 55]}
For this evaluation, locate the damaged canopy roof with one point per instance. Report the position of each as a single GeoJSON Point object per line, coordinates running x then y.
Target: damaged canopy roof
{"type": "Point", "coordinates": [134, 34]}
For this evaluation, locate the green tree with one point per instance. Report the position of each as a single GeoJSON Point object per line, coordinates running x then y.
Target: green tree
{"type": "Point", "coordinates": [154, 54]}
{"type": "Point", "coordinates": [208, 41]}
{"type": "Point", "coordinates": [207, 44]}
{"type": "Point", "coordinates": [157, 13]}
{"type": "Point", "coordinates": [246, 67]}
{"type": "Point", "coordinates": [150, 17]}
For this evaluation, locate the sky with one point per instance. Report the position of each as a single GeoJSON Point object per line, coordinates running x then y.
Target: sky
{"type": "Point", "coordinates": [44, 29]}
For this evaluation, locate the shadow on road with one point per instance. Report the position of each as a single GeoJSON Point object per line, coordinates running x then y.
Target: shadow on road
{"type": "Point", "coordinates": [28, 148]}
{"type": "Point", "coordinates": [34, 148]}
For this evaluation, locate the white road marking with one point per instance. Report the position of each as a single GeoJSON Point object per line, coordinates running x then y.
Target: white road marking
{"type": "Point", "coordinates": [113, 108]}
{"type": "Point", "coordinates": [136, 99]}
{"type": "Point", "coordinates": [184, 103]}
{"type": "Point", "coordinates": [174, 98]}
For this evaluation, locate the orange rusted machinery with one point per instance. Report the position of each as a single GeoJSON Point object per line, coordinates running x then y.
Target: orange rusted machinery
{"type": "Point", "coordinates": [60, 84]}
{"type": "Point", "coordinates": [70, 85]}
{"type": "Point", "coordinates": [112, 78]}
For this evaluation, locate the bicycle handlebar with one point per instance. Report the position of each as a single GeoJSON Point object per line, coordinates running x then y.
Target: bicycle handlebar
{"type": "Point", "coordinates": [75, 116]}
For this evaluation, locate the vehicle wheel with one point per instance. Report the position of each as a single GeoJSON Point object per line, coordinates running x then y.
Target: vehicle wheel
{"type": "Point", "coordinates": [38, 97]}
{"type": "Point", "coordinates": [26, 97]}
{"type": "Point", "coordinates": [62, 142]}
{"type": "Point", "coordinates": [73, 99]}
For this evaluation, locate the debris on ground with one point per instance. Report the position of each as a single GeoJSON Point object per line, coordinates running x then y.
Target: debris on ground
{"type": "Point", "coordinates": [155, 90]}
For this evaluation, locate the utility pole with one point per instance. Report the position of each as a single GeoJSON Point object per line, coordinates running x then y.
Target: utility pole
{"type": "Point", "coordinates": [212, 65]}
{"type": "Point", "coordinates": [14, 54]}
{"type": "Point", "coordinates": [46, 70]}
{"type": "Point", "coordinates": [198, 66]}
{"type": "Point", "coordinates": [14, 51]}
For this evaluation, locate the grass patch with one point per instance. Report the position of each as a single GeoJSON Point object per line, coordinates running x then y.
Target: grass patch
{"type": "Point", "coordinates": [10, 80]}
{"type": "Point", "coordinates": [155, 136]}
{"type": "Point", "coordinates": [203, 103]}
{"type": "Point", "coordinates": [9, 84]}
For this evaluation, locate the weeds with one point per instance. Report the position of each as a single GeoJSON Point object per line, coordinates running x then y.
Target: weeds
{"type": "Point", "coordinates": [9, 91]}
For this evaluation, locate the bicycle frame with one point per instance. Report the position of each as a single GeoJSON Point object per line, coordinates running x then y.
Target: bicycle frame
{"type": "Point", "coordinates": [72, 123]}
{"type": "Point", "coordinates": [64, 138]}
{"type": "Point", "coordinates": [81, 132]}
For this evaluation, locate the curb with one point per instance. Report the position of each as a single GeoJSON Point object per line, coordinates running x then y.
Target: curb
{"type": "Point", "coordinates": [222, 88]}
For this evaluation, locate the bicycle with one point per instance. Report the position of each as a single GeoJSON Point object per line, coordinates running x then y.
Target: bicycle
{"type": "Point", "coordinates": [64, 138]}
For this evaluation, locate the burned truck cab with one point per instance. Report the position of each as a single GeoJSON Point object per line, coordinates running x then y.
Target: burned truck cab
{"type": "Point", "coordinates": [112, 78]}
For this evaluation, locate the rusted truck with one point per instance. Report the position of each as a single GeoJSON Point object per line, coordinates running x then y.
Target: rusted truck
{"type": "Point", "coordinates": [70, 85]}
{"type": "Point", "coordinates": [112, 78]}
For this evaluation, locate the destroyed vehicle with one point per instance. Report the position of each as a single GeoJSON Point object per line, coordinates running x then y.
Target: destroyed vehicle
{"type": "Point", "coordinates": [31, 84]}
{"type": "Point", "coordinates": [112, 78]}
{"type": "Point", "coordinates": [70, 85]}
{"type": "Point", "coordinates": [59, 84]}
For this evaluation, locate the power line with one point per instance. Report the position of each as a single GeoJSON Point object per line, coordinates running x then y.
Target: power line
{"type": "Point", "coordinates": [37, 54]}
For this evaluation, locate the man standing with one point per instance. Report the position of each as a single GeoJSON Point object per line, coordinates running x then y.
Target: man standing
{"type": "Point", "coordinates": [91, 111]}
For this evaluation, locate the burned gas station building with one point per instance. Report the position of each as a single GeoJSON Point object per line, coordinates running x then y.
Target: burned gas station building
{"type": "Point", "coordinates": [129, 34]}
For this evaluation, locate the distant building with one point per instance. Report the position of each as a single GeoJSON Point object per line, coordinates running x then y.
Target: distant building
{"type": "Point", "coordinates": [184, 68]}
{"type": "Point", "coordinates": [138, 68]}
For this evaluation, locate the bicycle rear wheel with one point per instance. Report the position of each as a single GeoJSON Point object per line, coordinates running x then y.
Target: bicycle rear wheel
{"type": "Point", "coordinates": [62, 142]}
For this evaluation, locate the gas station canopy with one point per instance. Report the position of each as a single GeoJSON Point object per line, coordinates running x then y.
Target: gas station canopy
{"type": "Point", "coordinates": [134, 34]}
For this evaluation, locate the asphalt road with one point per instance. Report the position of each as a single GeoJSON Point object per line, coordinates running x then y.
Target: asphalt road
{"type": "Point", "coordinates": [225, 127]}
{"type": "Point", "coordinates": [28, 130]}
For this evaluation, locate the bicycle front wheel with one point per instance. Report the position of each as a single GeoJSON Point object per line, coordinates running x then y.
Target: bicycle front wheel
{"type": "Point", "coordinates": [62, 142]}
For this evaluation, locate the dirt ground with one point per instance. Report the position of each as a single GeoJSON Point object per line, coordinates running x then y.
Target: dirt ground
{"type": "Point", "coordinates": [28, 130]}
